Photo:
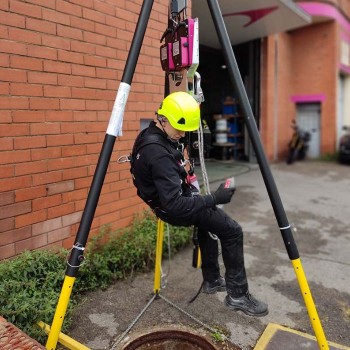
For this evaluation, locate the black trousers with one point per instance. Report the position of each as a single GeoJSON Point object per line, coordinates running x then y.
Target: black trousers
{"type": "Point", "coordinates": [230, 234]}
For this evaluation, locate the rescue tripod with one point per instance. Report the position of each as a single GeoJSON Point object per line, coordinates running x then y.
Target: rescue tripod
{"type": "Point", "coordinates": [115, 129]}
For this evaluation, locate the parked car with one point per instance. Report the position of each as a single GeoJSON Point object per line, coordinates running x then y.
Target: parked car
{"type": "Point", "coordinates": [344, 146]}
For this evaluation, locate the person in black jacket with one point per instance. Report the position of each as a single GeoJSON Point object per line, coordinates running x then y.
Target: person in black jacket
{"type": "Point", "coordinates": [159, 174]}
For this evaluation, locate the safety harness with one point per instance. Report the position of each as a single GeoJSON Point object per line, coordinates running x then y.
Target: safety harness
{"type": "Point", "coordinates": [144, 139]}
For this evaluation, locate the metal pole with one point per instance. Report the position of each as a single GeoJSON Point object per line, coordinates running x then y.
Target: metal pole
{"type": "Point", "coordinates": [114, 129]}
{"type": "Point", "coordinates": [270, 184]}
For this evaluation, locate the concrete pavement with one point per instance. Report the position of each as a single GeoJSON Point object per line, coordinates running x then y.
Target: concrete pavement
{"type": "Point", "coordinates": [316, 199]}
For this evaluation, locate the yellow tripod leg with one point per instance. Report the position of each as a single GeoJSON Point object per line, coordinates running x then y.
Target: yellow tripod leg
{"type": "Point", "coordinates": [159, 252]}
{"type": "Point", "coordinates": [310, 305]}
{"type": "Point", "coordinates": [60, 312]}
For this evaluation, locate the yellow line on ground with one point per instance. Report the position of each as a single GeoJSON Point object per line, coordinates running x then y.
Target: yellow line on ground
{"type": "Point", "coordinates": [272, 328]}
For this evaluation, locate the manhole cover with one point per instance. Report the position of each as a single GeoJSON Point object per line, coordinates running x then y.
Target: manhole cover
{"type": "Point", "coordinates": [170, 340]}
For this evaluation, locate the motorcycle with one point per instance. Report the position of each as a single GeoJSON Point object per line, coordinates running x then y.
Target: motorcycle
{"type": "Point", "coordinates": [298, 145]}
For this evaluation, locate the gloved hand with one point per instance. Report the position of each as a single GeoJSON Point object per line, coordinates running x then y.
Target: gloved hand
{"type": "Point", "coordinates": [223, 195]}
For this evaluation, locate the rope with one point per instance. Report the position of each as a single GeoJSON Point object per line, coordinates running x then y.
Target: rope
{"type": "Point", "coordinates": [133, 322]}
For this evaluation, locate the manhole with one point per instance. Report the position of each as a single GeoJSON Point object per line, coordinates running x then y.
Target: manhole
{"type": "Point", "coordinates": [170, 340]}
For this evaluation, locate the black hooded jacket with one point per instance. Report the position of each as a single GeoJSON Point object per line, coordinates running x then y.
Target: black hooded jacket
{"type": "Point", "coordinates": [160, 180]}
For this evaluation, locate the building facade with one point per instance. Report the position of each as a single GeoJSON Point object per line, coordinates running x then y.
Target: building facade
{"type": "Point", "coordinates": [61, 62]}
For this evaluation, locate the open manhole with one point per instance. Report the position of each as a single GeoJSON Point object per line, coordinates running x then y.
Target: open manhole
{"type": "Point", "coordinates": [170, 340]}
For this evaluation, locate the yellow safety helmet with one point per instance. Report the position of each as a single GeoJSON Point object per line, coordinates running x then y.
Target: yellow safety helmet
{"type": "Point", "coordinates": [181, 110]}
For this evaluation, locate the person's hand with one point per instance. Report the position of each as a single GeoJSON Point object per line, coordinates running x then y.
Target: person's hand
{"type": "Point", "coordinates": [223, 195]}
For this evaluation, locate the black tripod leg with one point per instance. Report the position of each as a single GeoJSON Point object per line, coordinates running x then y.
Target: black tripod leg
{"type": "Point", "coordinates": [114, 129]}
{"type": "Point", "coordinates": [271, 187]}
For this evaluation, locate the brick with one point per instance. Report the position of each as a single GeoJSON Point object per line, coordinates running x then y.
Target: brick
{"type": "Point", "coordinates": [69, 56]}
{"type": "Point", "coordinates": [58, 116]}
{"type": "Point", "coordinates": [14, 102]}
{"type": "Point", "coordinates": [46, 178]}
{"type": "Point", "coordinates": [55, 42]}
{"type": "Point", "coordinates": [83, 93]}
{"type": "Point", "coordinates": [83, 70]}
{"type": "Point", "coordinates": [12, 19]}
{"type": "Point", "coordinates": [7, 198]}
{"type": "Point", "coordinates": [82, 23]}
{"type": "Point", "coordinates": [27, 63]}
{"type": "Point", "coordinates": [62, 163]}
{"type": "Point", "coordinates": [71, 219]}
{"type": "Point", "coordinates": [97, 105]}
{"type": "Point", "coordinates": [30, 194]}
{"type": "Point", "coordinates": [84, 116]}
{"type": "Point", "coordinates": [85, 138]}
{"type": "Point", "coordinates": [46, 226]}
{"type": "Point", "coordinates": [106, 73]}
{"type": "Point", "coordinates": [4, 88]}
{"type": "Point", "coordinates": [30, 168]}
{"type": "Point", "coordinates": [27, 116]}
{"type": "Point", "coordinates": [11, 157]}
{"type": "Point", "coordinates": [69, 32]}
{"type": "Point", "coordinates": [44, 202]}
{"type": "Point", "coordinates": [45, 128]}
{"type": "Point", "coordinates": [75, 195]}
{"type": "Point", "coordinates": [57, 91]}
{"type": "Point", "coordinates": [39, 25]}
{"type": "Point", "coordinates": [55, 16]}
{"type": "Point", "coordinates": [74, 150]}
{"type": "Point", "coordinates": [61, 187]}
{"type": "Point", "coordinates": [7, 224]}
{"type": "Point", "coordinates": [43, 103]}
{"type": "Point", "coordinates": [29, 142]}
{"type": "Point", "coordinates": [105, 8]}
{"type": "Point", "coordinates": [61, 210]}
{"type": "Point", "coordinates": [5, 5]}
{"type": "Point", "coordinates": [25, 35]}
{"type": "Point", "coordinates": [94, 15]}
{"type": "Point", "coordinates": [7, 251]}
{"type": "Point", "coordinates": [95, 83]}
{"type": "Point", "coordinates": [25, 8]}
{"type": "Point", "coordinates": [31, 243]}
{"type": "Point", "coordinates": [58, 235]}
{"type": "Point", "coordinates": [30, 218]}
{"type": "Point", "coordinates": [8, 74]}
{"type": "Point", "coordinates": [15, 235]}
{"type": "Point", "coordinates": [75, 173]}
{"type": "Point", "coordinates": [15, 182]}
{"type": "Point", "coordinates": [11, 210]}
{"type": "Point", "coordinates": [44, 3]}
{"type": "Point", "coordinates": [45, 153]}
{"type": "Point", "coordinates": [96, 61]}
{"type": "Point", "coordinates": [26, 89]}
{"type": "Point", "coordinates": [57, 67]}
{"type": "Point", "coordinates": [70, 80]}
{"type": "Point", "coordinates": [82, 47]}
{"type": "Point", "coordinates": [42, 52]}
{"type": "Point", "coordinates": [6, 144]}
{"type": "Point", "coordinates": [59, 140]}
{"type": "Point", "coordinates": [94, 38]}
{"type": "Point", "coordinates": [42, 78]}
{"type": "Point", "coordinates": [72, 104]}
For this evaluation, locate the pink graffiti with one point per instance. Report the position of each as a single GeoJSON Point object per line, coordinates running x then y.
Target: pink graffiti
{"type": "Point", "coordinates": [254, 15]}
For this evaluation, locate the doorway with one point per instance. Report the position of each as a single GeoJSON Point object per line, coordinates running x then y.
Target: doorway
{"type": "Point", "coordinates": [308, 119]}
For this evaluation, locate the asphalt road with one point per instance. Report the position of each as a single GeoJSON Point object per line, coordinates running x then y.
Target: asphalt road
{"type": "Point", "coordinates": [316, 198]}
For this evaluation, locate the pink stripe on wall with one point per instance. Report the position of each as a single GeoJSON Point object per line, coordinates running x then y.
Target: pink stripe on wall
{"type": "Point", "coordinates": [325, 10]}
{"type": "Point", "coordinates": [308, 98]}
{"type": "Point", "coordinates": [344, 68]}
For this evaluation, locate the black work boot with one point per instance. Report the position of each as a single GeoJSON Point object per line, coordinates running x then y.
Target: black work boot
{"type": "Point", "coordinates": [218, 285]}
{"type": "Point", "coordinates": [248, 304]}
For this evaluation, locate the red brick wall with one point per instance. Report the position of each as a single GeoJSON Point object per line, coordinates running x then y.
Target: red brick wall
{"type": "Point", "coordinates": [61, 63]}
{"type": "Point", "coordinates": [301, 62]}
